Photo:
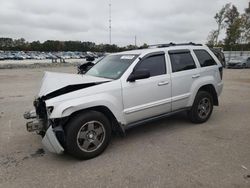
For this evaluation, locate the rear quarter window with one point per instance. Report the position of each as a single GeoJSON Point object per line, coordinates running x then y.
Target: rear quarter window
{"type": "Point", "coordinates": [205, 59]}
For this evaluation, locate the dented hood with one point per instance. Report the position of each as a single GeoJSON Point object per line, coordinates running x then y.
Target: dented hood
{"type": "Point", "coordinates": [55, 84]}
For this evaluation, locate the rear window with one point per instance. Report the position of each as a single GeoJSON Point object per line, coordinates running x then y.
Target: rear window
{"type": "Point", "coordinates": [205, 59]}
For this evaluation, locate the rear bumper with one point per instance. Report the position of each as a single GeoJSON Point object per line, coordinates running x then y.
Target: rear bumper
{"type": "Point", "coordinates": [51, 143]}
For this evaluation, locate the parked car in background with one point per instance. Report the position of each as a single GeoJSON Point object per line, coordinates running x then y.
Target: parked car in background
{"type": "Point", "coordinates": [83, 68]}
{"type": "Point", "coordinates": [19, 56]}
{"type": "Point", "coordinates": [37, 55]}
{"type": "Point", "coordinates": [90, 58]}
{"type": "Point", "coordinates": [10, 56]}
{"type": "Point", "coordinates": [50, 56]}
{"type": "Point", "coordinates": [239, 62]}
{"type": "Point", "coordinates": [2, 57]}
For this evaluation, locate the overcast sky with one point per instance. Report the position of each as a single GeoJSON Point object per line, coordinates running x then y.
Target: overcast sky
{"type": "Point", "coordinates": [152, 21]}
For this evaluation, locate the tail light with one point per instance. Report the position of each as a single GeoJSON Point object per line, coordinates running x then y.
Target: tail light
{"type": "Point", "coordinates": [221, 72]}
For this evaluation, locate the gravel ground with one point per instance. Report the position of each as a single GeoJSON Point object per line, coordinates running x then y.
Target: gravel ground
{"type": "Point", "coordinates": [169, 153]}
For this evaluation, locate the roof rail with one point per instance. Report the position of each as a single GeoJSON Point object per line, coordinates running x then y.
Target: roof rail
{"type": "Point", "coordinates": [173, 44]}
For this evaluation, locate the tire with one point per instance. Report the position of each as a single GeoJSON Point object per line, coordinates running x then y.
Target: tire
{"type": "Point", "coordinates": [87, 135]}
{"type": "Point", "coordinates": [244, 66]}
{"type": "Point", "coordinates": [202, 107]}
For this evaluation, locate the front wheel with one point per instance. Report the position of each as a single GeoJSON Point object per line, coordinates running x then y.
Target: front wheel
{"type": "Point", "coordinates": [202, 107]}
{"type": "Point", "coordinates": [87, 134]}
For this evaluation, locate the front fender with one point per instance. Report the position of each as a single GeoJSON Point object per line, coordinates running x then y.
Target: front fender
{"type": "Point", "coordinates": [66, 108]}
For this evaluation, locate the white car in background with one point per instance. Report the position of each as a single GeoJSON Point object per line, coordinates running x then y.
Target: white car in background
{"type": "Point", "coordinates": [239, 62]}
{"type": "Point", "coordinates": [77, 113]}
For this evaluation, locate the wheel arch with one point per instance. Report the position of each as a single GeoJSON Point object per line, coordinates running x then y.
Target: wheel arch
{"type": "Point", "coordinates": [210, 89]}
{"type": "Point", "coordinates": [116, 125]}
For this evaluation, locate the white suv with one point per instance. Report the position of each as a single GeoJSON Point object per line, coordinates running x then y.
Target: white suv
{"type": "Point", "coordinates": [77, 113]}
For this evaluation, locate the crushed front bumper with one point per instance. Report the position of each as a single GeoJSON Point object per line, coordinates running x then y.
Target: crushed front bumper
{"type": "Point", "coordinates": [49, 141]}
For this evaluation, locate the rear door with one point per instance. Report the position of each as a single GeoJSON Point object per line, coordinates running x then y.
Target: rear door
{"type": "Point", "coordinates": [184, 72]}
{"type": "Point", "coordinates": [208, 66]}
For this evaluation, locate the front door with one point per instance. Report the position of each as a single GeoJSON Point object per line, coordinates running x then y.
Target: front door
{"type": "Point", "coordinates": [151, 96]}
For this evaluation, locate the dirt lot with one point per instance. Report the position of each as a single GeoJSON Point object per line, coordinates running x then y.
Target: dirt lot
{"type": "Point", "coordinates": [169, 153]}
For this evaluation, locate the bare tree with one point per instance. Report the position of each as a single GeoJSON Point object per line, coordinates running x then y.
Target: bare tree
{"type": "Point", "coordinates": [220, 18]}
{"type": "Point", "coordinates": [211, 39]}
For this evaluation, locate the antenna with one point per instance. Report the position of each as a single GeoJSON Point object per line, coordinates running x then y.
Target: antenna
{"type": "Point", "coordinates": [110, 22]}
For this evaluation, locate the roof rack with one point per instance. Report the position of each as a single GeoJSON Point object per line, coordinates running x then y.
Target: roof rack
{"type": "Point", "coordinates": [173, 44]}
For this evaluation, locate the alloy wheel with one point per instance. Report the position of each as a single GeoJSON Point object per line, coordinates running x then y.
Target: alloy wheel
{"type": "Point", "coordinates": [91, 136]}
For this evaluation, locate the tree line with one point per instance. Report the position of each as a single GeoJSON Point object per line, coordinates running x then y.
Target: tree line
{"type": "Point", "coordinates": [236, 27]}
{"type": "Point", "coordinates": [9, 44]}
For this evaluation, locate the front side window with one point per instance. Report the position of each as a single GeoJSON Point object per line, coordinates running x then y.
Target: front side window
{"type": "Point", "coordinates": [112, 66]}
{"type": "Point", "coordinates": [156, 65]}
{"type": "Point", "coordinates": [204, 58]}
{"type": "Point", "coordinates": [181, 61]}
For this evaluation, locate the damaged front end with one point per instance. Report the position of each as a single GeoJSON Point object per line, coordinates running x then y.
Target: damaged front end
{"type": "Point", "coordinates": [55, 85]}
{"type": "Point", "coordinates": [52, 133]}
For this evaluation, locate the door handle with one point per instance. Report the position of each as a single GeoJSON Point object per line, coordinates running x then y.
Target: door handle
{"type": "Point", "coordinates": [163, 83]}
{"type": "Point", "coordinates": [196, 76]}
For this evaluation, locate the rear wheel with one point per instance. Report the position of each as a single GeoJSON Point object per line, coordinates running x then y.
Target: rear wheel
{"type": "Point", "coordinates": [87, 135]}
{"type": "Point", "coordinates": [202, 107]}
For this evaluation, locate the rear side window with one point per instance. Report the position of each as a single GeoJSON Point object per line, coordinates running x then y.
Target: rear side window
{"type": "Point", "coordinates": [154, 64]}
{"type": "Point", "coordinates": [204, 58]}
{"type": "Point", "coordinates": [181, 61]}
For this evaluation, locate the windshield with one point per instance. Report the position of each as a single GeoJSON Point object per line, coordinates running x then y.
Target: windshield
{"type": "Point", "coordinates": [112, 66]}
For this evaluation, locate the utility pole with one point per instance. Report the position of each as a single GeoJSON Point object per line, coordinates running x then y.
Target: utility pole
{"type": "Point", "coordinates": [110, 42]}
{"type": "Point", "coordinates": [135, 41]}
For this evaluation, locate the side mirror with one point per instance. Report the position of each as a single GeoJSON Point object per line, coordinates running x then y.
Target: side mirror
{"type": "Point", "coordinates": [138, 74]}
